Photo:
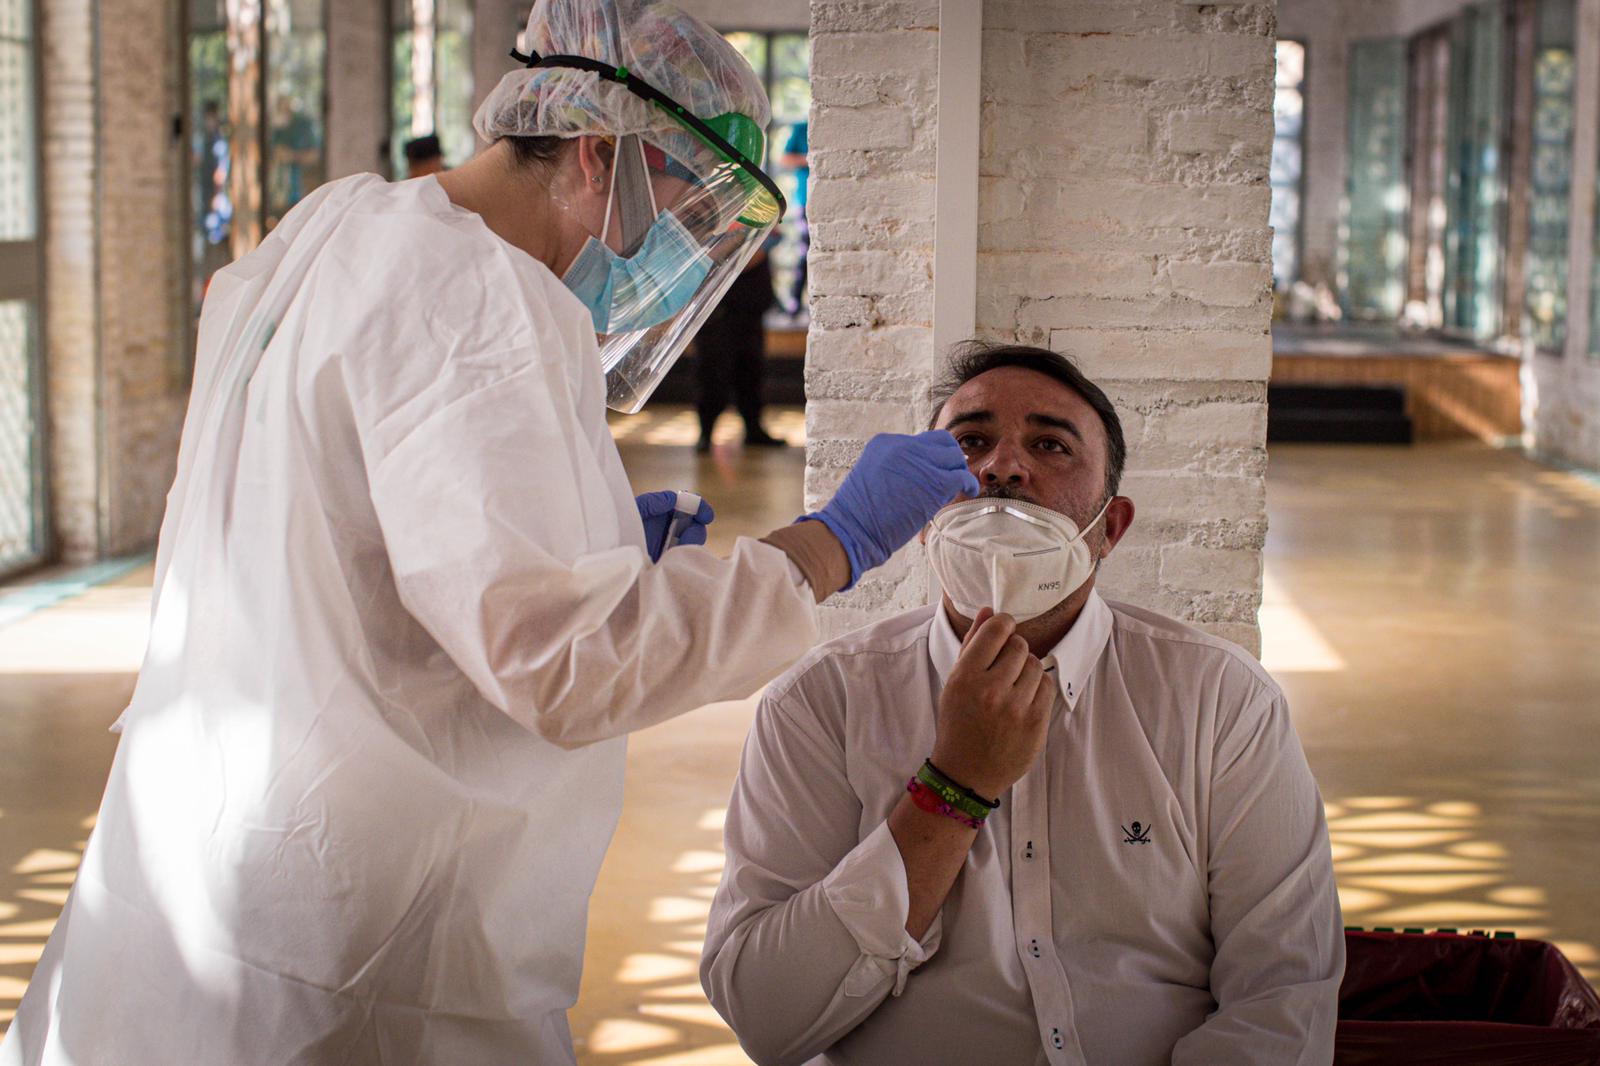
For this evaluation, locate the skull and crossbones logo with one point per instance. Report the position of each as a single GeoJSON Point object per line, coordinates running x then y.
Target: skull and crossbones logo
{"type": "Point", "coordinates": [1140, 834]}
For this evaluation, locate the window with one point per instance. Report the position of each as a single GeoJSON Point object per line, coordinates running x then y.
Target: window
{"type": "Point", "coordinates": [297, 59]}
{"type": "Point", "coordinates": [782, 61]}
{"type": "Point", "coordinates": [22, 495]}
{"type": "Point", "coordinates": [1474, 242]}
{"type": "Point", "coordinates": [256, 105]}
{"type": "Point", "coordinates": [1550, 174]}
{"type": "Point", "coordinates": [1373, 249]}
{"type": "Point", "coordinates": [1428, 109]}
{"type": "Point", "coordinates": [431, 70]}
{"type": "Point", "coordinates": [1288, 162]}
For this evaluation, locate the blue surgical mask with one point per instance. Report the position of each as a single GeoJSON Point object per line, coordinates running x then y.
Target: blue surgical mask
{"type": "Point", "coordinates": [628, 293]}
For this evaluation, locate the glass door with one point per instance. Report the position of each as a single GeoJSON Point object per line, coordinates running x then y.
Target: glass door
{"type": "Point", "coordinates": [1373, 252]}
{"type": "Point", "coordinates": [23, 510]}
{"type": "Point", "coordinates": [1475, 241]}
{"type": "Point", "coordinates": [211, 123]}
{"type": "Point", "coordinates": [1550, 173]}
{"type": "Point", "coordinates": [783, 63]}
{"type": "Point", "coordinates": [1430, 157]}
{"type": "Point", "coordinates": [255, 112]}
{"type": "Point", "coordinates": [296, 92]}
{"type": "Point", "coordinates": [431, 83]}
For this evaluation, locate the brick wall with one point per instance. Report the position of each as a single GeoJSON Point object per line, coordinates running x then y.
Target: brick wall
{"type": "Point", "coordinates": [72, 317]}
{"type": "Point", "coordinates": [869, 356]}
{"type": "Point", "coordinates": [113, 273]}
{"type": "Point", "coordinates": [1122, 220]}
{"type": "Point", "coordinates": [143, 353]}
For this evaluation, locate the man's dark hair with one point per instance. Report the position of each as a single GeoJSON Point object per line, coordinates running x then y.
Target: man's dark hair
{"type": "Point", "coordinates": [973, 358]}
{"type": "Point", "coordinates": [423, 149]}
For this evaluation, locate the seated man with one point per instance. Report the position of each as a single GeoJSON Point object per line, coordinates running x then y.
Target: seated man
{"type": "Point", "coordinates": [1116, 852]}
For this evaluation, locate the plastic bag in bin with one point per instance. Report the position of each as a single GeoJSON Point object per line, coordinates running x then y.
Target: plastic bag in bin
{"type": "Point", "coordinates": [1442, 999]}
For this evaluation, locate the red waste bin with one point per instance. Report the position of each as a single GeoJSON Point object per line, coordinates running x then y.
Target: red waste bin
{"type": "Point", "coordinates": [1438, 998]}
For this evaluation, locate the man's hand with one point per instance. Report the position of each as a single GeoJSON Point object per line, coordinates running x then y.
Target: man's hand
{"type": "Point", "coordinates": [994, 713]}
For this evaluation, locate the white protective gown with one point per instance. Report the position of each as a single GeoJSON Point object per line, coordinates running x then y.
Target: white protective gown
{"type": "Point", "coordinates": [403, 618]}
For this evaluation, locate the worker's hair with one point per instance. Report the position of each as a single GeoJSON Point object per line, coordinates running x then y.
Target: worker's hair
{"type": "Point", "coordinates": [972, 358]}
{"type": "Point", "coordinates": [534, 152]}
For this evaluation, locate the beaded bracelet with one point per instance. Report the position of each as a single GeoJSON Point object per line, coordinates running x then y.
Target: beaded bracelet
{"type": "Point", "coordinates": [962, 799]}
{"type": "Point", "coordinates": [928, 800]}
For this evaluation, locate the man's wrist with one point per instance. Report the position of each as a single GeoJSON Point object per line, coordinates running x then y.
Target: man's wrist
{"type": "Point", "coordinates": [971, 781]}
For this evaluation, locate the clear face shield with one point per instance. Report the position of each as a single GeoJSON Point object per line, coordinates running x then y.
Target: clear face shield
{"type": "Point", "coordinates": [685, 230]}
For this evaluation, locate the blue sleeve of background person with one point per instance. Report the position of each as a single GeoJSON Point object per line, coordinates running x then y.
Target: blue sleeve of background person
{"type": "Point", "coordinates": [896, 487]}
{"type": "Point", "coordinates": [799, 139]}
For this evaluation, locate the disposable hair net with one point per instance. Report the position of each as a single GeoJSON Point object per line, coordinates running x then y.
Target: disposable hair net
{"type": "Point", "coordinates": [674, 99]}
{"type": "Point", "coordinates": [675, 52]}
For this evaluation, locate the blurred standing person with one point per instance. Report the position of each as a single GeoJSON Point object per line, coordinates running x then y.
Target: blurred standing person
{"type": "Point", "coordinates": [796, 152]}
{"type": "Point", "coordinates": [731, 355]}
{"type": "Point", "coordinates": [424, 157]}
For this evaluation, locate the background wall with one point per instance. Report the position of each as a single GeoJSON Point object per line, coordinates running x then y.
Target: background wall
{"type": "Point", "coordinates": [1123, 220]}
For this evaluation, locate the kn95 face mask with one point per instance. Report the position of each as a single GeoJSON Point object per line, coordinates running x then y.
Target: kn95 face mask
{"type": "Point", "coordinates": [1016, 557]}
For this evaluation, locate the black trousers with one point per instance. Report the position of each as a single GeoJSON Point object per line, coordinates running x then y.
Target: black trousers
{"type": "Point", "coordinates": [731, 352]}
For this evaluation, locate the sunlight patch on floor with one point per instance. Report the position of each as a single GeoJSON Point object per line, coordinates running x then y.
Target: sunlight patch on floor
{"type": "Point", "coordinates": [102, 631]}
{"type": "Point", "coordinates": [1290, 641]}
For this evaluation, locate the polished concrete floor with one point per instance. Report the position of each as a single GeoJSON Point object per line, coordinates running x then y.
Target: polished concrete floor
{"type": "Point", "coordinates": [1433, 613]}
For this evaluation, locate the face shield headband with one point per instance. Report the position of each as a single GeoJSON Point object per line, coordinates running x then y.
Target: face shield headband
{"type": "Point", "coordinates": [751, 137]}
{"type": "Point", "coordinates": [675, 265]}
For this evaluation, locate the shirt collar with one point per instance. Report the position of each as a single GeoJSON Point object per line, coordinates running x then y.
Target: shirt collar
{"type": "Point", "coordinates": [1075, 654]}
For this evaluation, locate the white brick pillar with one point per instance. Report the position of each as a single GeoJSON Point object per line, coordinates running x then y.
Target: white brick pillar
{"type": "Point", "coordinates": [869, 355]}
{"type": "Point", "coordinates": [1122, 220]}
{"type": "Point", "coordinates": [1124, 223]}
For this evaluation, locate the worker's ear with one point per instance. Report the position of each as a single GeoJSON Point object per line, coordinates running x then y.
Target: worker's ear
{"type": "Point", "coordinates": [594, 160]}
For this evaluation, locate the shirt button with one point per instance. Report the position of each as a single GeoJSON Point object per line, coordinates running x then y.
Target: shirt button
{"type": "Point", "coordinates": [1027, 852]}
{"type": "Point", "coordinates": [1057, 1041]}
{"type": "Point", "coordinates": [1033, 946]}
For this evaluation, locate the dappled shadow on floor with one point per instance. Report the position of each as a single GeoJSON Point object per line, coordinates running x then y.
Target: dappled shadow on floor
{"type": "Point", "coordinates": [66, 672]}
{"type": "Point", "coordinates": [1501, 860]}
{"type": "Point", "coordinates": [53, 731]}
{"type": "Point", "coordinates": [641, 1000]}
{"type": "Point", "coordinates": [1433, 614]}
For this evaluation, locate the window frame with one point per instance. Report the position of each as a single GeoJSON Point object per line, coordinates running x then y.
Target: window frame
{"type": "Point", "coordinates": [1300, 184]}
{"type": "Point", "coordinates": [237, 245]}
{"type": "Point", "coordinates": [394, 142]}
{"type": "Point", "coordinates": [773, 149]}
{"type": "Point", "coordinates": [22, 279]}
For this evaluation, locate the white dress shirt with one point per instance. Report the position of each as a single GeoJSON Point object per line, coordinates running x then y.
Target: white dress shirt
{"type": "Point", "coordinates": [1207, 933]}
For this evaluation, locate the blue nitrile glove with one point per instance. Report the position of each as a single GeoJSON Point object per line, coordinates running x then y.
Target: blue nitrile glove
{"type": "Point", "coordinates": [898, 484]}
{"type": "Point", "coordinates": [655, 511]}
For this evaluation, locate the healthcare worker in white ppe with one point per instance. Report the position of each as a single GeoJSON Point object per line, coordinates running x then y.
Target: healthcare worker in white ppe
{"type": "Point", "coordinates": [406, 605]}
